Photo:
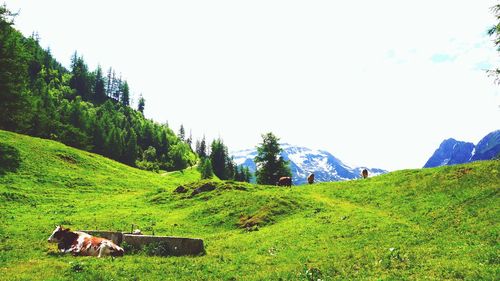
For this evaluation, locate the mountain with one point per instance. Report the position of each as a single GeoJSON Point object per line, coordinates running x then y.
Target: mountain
{"type": "Point", "coordinates": [488, 147]}
{"type": "Point", "coordinates": [451, 151]}
{"type": "Point", "coordinates": [304, 161]}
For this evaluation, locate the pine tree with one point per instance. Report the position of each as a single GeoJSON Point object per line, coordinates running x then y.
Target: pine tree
{"type": "Point", "coordinates": [220, 160]}
{"type": "Point", "coordinates": [125, 95]}
{"type": "Point", "coordinates": [130, 153]}
{"type": "Point", "coordinates": [141, 104]}
{"type": "Point", "coordinates": [182, 133]}
{"type": "Point", "coordinates": [205, 169]}
{"type": "Point", "coordinates": [270, 166]}
{"type": "Point", "coordinates": [117, 88]}
{"type": "Point", "coordinates": [189, 140]}
{"type": "Point", "coordinates": [80, 80]}
{"type": "Point", "coordinates": [230, 167]}
{"type": "Point", "coordinates": [99, 137]}
{"type": "Point", "coordinates": [201, 148]}
{"type": "Point", "coordinates": [164, 144]}
{"type": "Point", "coordinates": [99, 90]}
{"type": "Point", "coordinates": [109, 80]}
{"type": "Point", "coordinates": [247, 174]}
{"type": "Point", "coordinates": [14, 95]}
{"type": "Point", "coordinates": [114, 144]}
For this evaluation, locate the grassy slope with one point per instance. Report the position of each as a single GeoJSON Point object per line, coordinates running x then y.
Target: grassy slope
{"type": "Point", "coordinates": [434, 224]}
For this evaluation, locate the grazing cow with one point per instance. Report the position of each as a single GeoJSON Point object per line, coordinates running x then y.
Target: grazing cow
{"type": "Point", "coordinates": [285, 181]}
{"type": "Point", "coordinates": [364, 173]}
{"type": "Point", "coordinates": [310, 179]}
{"type": "Point", "coordinates": [82, 244]}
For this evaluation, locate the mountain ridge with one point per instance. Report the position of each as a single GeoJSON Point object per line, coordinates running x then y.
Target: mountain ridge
{"type": "Point", "coordinates": [452, 151]}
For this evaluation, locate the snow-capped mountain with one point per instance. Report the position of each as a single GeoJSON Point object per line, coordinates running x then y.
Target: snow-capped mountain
{"type": "Point", "coordinates": [304, 161]}
{"type": "Point", "coordinates": [452, 152]}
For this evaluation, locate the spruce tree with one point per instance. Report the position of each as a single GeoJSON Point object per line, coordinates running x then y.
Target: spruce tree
{"type": "Point", "coordinates": [141, 104]}
{"type": "Point", "coordinates": [205, 169]}
{"type": "Point", "coordinates": [99, 90]}
{"type": "Point", "coordinates": [14, 95]}
{"type": "Point", "coordinates": [182, 133]}
{"type": "Point", "coordinates": [270, 166]}
{"type": "Point", "coordinates": [220, 160]}
{"type": "Point", "coordinates": [130, 153]}
{"type": "Point", "coordinates": [189, 140]}
{"type": "Point", "coordinates": [109, 80]}
{"type": "Point", "coordinates": [201, 148]}
{"type": "Point", "coordinates": [80, 80]}
{"type": "Point", "coordinates": [125, 95]}
{"type": "Point", "coordinates": [247, 174]}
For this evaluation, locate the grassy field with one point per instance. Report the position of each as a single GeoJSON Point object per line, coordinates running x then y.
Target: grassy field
{"type": "Point", "coordinates": [429, 224]}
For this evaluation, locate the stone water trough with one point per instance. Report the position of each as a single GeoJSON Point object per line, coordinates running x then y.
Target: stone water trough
{"type": "Point", "coordinates": [177, 246]}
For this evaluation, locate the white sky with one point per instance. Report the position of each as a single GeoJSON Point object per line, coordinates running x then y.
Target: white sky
{"type": "Point", "coordinates": [376, 83]}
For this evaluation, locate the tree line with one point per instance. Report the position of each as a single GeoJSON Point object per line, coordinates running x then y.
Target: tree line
{"type": "Point", "coordinates": [215, 160]}
{"type": "Point", "coordinates": [81, 108]}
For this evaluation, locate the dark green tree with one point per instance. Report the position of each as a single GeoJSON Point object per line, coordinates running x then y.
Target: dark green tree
{"type": "Point", "coordinates": [99, 87]}
{"type": "Point", "coordinates": [182, 133]}
{"type": "Point", "coordinates": [270, 165]}
{"type": "Point", "coordinates": [130, 153]}
{"type": "Point", "coordinates": [178, 158]}
{"type": "Point", "coordinates": [205, 168]}
{"type": "Point", "coordinates": [80, 79]}
{"type": "Point", "coordinates": [125, 95]}
{"type": "Point", "coordinates": [99, 137]}
{"type": "Point", "coordinates": [141, 103]}
{"type": "Point", "coordinates": [201, 148]}
{"type": "Point", "coordinates": [220, 160]}
{"type": "Point", "coordinates": [247, 174]}
{"type": "Point", "coordinates": [14, 94]}
{"type": "Point", "coordinates": [114, 144]}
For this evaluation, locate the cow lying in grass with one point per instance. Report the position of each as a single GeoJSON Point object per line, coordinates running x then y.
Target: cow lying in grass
{"type": "Point", "coordinates": [82, 244]}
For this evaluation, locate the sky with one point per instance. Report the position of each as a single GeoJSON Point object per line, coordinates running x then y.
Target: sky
{"type": "Point", "coordinates": [375, 83]}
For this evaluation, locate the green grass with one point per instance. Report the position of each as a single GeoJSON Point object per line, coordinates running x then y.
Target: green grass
{"type": "Point", "coordinates": [429, 224]}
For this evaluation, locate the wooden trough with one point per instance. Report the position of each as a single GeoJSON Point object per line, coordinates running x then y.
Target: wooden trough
{"type": "Point", "coordinates": [176, 246]}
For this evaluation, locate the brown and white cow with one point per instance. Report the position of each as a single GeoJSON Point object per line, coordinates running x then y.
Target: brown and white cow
{"type": "Point", "coordinates": [82, 244]}
{"type": "Point", "coordinates": [284, 181]}
{"type": "Point", "coordinates": [310, 178]}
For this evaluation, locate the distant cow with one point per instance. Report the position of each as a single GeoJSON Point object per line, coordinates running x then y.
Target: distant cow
{"type": "Point", "coordinates": [285, 181]}
{"type": "Point", "coordinates": [310, 179]}
{"type": "Point", "coordinates": [82, 244]}
{"type": "Point", "coordinates": [364, 173]}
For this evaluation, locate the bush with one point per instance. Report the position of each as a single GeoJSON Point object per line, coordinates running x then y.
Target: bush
{"type": "Point", "coordinates": [10, 160]}
{"type": "Point", "coordinates": [156, 249]}
{"type": "Point", "coordinates": [148, 166]}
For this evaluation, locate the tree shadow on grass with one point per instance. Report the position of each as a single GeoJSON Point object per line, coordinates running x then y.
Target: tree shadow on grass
{"type": "Point", "coordinates": [10, 159]}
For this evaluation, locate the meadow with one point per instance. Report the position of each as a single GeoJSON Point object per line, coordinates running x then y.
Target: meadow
{"type": "Point", "coordinates": [428, 224]}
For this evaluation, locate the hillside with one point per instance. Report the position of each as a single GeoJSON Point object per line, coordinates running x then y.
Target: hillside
{"type": "Point", "coordinates": [431, 224]}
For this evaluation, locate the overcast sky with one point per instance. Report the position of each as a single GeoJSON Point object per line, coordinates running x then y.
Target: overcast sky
{"type": "Point", "coordinates": [376, 83]}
